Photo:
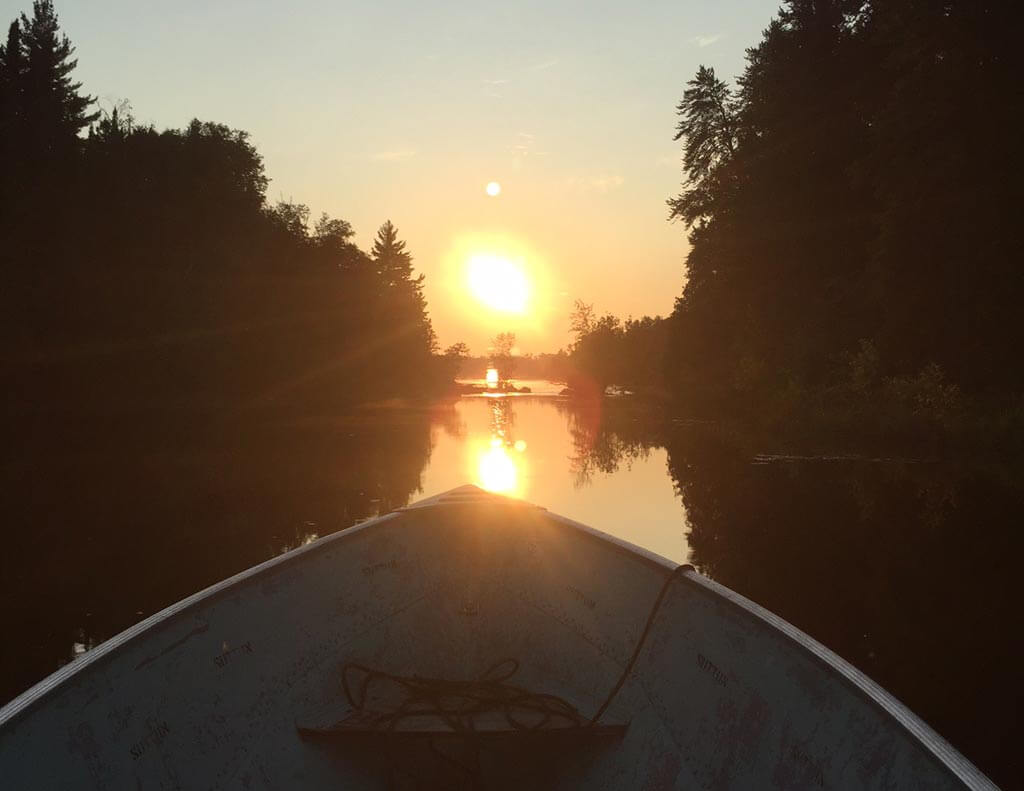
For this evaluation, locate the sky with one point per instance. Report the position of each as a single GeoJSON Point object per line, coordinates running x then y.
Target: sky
{"type": "Point", "coordinates": [406, 110]}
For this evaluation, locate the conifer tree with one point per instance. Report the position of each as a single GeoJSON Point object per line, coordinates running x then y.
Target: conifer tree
{"type": "Point", "coordinates": [394, 263]}
{"type": "Point", "coordinates": [394, 266]}
{"type": "Point", "coordinates": [12, 73]}
{"type": "Point", "coordinates": [54, 110]}
{"type": "Point", "coordinates": [708, 124]}
{"type": "Point", "coordinates": [12, 79]}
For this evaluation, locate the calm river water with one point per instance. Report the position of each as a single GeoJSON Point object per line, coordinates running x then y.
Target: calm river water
{"type": "Point", "coordinates": [907, 568]}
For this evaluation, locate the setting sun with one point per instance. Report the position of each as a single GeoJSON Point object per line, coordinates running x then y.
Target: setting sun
{"type": "Point", "coordinates": [493, 188]}
{"type": "Point", "coordinates": [498, 282]}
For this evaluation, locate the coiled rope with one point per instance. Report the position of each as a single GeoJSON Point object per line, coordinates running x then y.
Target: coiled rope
{"type": "Point", "coordinates": [457, 703]}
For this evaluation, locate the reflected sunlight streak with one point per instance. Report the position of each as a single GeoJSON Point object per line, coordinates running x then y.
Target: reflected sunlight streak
{"type": "Point", "coordinates": [498, 471]}
{"type": "Point", "coordinates": [499, 460]}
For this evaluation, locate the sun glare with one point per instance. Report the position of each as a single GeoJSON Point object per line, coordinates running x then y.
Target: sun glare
{"type": "Point", "coordinates": [496, 282]}
{"type": "Point", "coordinates": [499, 283]}
{"type": "Point", "coordinates": [493, 188]}
{"type": "Point", "coordinates": [498, 471]}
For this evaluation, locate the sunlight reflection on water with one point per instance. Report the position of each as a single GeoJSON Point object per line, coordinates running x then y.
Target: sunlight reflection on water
{"type": "Point", "coordinates": [497, 471]}
{"type": "Point", "coordinates": [545, 449]}
{"type": "Point", "coordinates": [500, 464]}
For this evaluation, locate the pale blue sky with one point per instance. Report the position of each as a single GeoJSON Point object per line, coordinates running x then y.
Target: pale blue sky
{"type": "Point", "coordinates": [405, 110]}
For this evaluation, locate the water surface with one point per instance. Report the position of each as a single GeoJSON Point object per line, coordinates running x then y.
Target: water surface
{"type": "Point", "coordinates": [566, 458]}
{"type": "Point", "coordinates": [905, 567]}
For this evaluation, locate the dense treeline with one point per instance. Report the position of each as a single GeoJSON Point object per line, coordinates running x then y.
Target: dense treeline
{"type": "Point", "coordinates": [608, 351]}
{"type": "Point", "coordinates": [852, 209]}
{"type": "Point", "coordinates": [852, 206]}
{"type": "Point", "coordinates": [144, 266]}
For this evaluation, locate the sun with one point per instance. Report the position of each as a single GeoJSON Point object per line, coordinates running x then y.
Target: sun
{"type": "Point", "coordinates": [498, 282]}
{"type": "Point", "coordinates": [493, 188]}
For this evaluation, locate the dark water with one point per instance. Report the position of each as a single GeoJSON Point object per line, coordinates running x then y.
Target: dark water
{"type": "Point", "coordinates": [907, 568]}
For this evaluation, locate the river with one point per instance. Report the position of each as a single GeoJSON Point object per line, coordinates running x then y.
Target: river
{"type": "Point", "coordinates": [905, 567]}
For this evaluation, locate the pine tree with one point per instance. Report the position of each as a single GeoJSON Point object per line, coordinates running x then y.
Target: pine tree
{"type": "Point", "coordinates": [55, 112]}
{"type": "Point", "coordinates": [708, 125]}
{"type": "Point", "coordinates": [12, 73]}
{"type": "Point", "coordinates": [394, 267]}
{"type": "Point", "coordinates": [394, 263]}
{"type": "Point", "coordinates": [12, 79]}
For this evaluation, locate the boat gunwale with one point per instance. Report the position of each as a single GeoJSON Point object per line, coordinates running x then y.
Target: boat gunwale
{"type": "Point", "coordinates": [38, 693]}
{"type": "Point", "coordinates": [939, 748]}
{"type": "Point", "coordinates": [922, 733]}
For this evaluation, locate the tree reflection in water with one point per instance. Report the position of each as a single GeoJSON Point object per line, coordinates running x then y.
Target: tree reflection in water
{"type": "Point", "coordinates": [606, 435]}
{"type": "Point", "coordinates": [905, 568]}
{"type": "Point", "coordinates": [108, 523]}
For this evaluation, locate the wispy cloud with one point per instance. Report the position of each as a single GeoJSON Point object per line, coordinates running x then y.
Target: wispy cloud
{"type": "Point", "coordinates": [524, 148]}
{"type": "Point", "coordinates": [544, 64]}
{"type": "Point", "coordinates": [606, 183]}
{"type": "Point", "coordinates": [394, 155]}
{"type": "Point", "coordinates": [706, 40]}
{"type": "Point", "coordinates": [491, 87]}
{"type": "Point", "coordinates": [602, 183]}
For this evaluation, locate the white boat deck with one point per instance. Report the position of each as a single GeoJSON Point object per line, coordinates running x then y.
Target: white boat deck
{"type": "Point", "coordinates": [724, 695]}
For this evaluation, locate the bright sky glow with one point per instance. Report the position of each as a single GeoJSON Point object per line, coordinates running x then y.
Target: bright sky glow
{"type": "Point", "coordinates": [493, 188]}
{"type": "Point", "coordinates": [403, 110]}
{"type": "Point", "coordinates": [498, 283]}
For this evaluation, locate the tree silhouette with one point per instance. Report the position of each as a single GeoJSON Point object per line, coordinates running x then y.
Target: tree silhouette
{"type": "Point", "coordinates": [458, 350]}
{"type": "Point", "coordinates": [394, 266]}
{"type": "Point", "coordinates": [332, 233]}
{"type": "Point", "coordinates": [609, 351]}
{"type": "Point", "coordinates": [581, 320]}
{"type": "Point", "coordinates": [828, 199]}
{"type": "Point", "coordinates": [145, 267]}
{"type": "Point", "coordinates": [501, 356]}
{"type": "Point", "coordinates": [393, 261]}
{"type": "Point", "coordinates": [708, 123]}
{"type": "Point", "coordinates": [12, 79]}
{"type": "Point", "coordinates": [54, 113]}
{"type": "Point", "coordinates": [12, 86]}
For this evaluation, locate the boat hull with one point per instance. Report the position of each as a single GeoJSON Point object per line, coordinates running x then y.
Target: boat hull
{"type": "Point", "coordinates": [723, 694]}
